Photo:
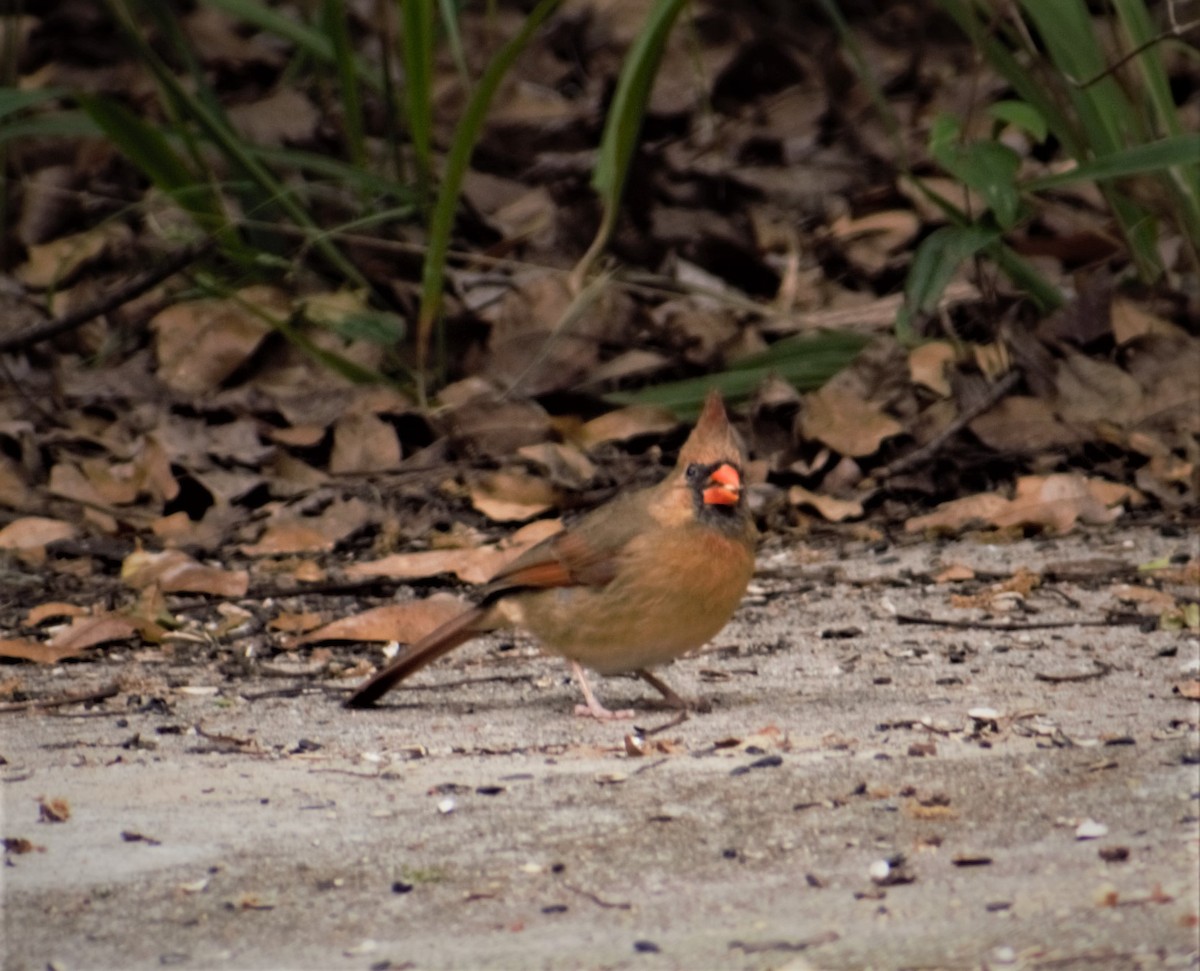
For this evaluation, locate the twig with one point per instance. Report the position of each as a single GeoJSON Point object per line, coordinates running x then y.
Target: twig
{"type": "Point", "coordinates": [929, 449]}
{"type": "Point", "coordinates": [1175, 30]}
{"type": "Point", "coordinates": [107, 303]}
{"type": "Point", "coordinates": [68, 699]}
{"type": "Point", "coordinates": [599, 901]}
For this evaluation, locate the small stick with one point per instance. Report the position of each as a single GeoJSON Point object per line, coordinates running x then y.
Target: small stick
{"type": "Point", "coordinates": [111, 301]}
{"type": "Point", "coordinates": [67, 699]}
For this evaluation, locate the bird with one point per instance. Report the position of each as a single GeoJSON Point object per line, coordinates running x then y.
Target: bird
{"type": "Point", "coordinates": [635, 583]}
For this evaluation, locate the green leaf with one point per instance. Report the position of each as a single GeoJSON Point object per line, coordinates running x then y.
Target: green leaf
{"type": "Point", "coordinates": [1022, 115]}
{"type": "Point", "coordinates": [987, 166]}
{"type": "Point", "coordinates": [13, 100]}
{"type": "Point", "coordinates": [805, 361]}
{"type": "Point", "coordinates": [1177, 150]}
{"type": "Point", "coordinates": [374, 326]}
{"type": "Point", "coordinates": [937, 260]}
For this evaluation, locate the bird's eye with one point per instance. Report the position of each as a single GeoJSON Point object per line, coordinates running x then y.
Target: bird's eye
{"type": "Point", "coordinates": [694, 472]}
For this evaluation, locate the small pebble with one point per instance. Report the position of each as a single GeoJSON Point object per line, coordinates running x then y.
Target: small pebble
{"type": "Point", "coordinates": [1089, 829]}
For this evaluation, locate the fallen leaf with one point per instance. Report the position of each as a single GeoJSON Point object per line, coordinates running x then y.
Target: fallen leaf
{"type": "Point", "coordinates": [845, 422]}
{"type": "Point", "coordinates": [476, 565]}
{"type": "Point", "coordinates": [955, 573]}
{"type": "Point", "coordinates": [200, 343]}
{"type": "Point", "coordinates": [1189, 689]}
{"type": "Point", "coordinates": [511, 496]}
{"type": "Point", "coordinates": [85, 632]}
{"type": "Point", "coordinates": [364, 443]}
{"type": "Point", "coordinates": [626, 423]}
{"type": "Point", "coordinates": [405, 623]}
{"type": "Point", "coordinates": [929, 364]}
{"type": "Point", "coordinates": [173, 571]}
{"type": "Point", "coordinates": [55, 810]}
{"type": "Point", "coordinates": [30, 532]}
{"type": "Point", "coordinates": [831, 509]}
{"type": "Point", "coordinates": [46, 611]}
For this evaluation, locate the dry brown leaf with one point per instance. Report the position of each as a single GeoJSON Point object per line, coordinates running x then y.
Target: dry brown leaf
{"type": "Point", "coordinates": [982, 509]}
{"type": "Point", "coordinates": [626, 423]}
{"type": "Point", "coordinates": [954, 573]}
{"type": "Point", "coordinates": [470, 565]}
{"type": "Point", "coordinates": [831, 509]}
{"type": "Point", "coordinates": [364, 443]}
{"type": "Point", "coordinates": [298, 436]}
{"type": "Point", "coordinates": [1021, 425]}
{"type": "Point", "coordinates": [511, 496]}
{"type": "Point", "coordinates": [67, 480]}
{"type": "Point", "coordinates": [1157, 600]}
{"type": "Point", "coordinates": [54, 263]}
{"type": "Point", "coordinates": [285, 117]}
{"type": "Point", "coordinates": [1131, 321]}
{"type": "Point", "coordinates": [85, 632]}
{"type": "Point", "coordinates": [1054, 502]}
{"type": "Point", "coordinates": [34, 531]}
{"type": "Point", "coordinates": [295, 623]}
{"type": "Point", "coordinates": [406, 623]}
{"type": "Point", "coordinates": [47, 611]}
{"type": "Point", "coordinates": [36, 651]}
{"type": "Point", "coordinates": [173, 571]}
{"type": "Point", "coordinates": [57, 810]}
{"type": "Point", "coordinates": [929, 365]}
{"type": "Point", "coordinates": [201, 343]}
{"type": "Point", "coordinates": [564, 464]}
{"type": "Point", "coordinates": [299, 535]}
{"type": "Point", "coordinates": [845, 422]}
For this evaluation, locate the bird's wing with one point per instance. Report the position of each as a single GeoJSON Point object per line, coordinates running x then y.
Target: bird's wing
{"type": "Point", "coordinates": [585, 554]}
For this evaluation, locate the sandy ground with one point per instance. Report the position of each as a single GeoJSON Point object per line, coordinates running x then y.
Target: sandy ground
{"type": "Point", "coordinates": [233, 822]}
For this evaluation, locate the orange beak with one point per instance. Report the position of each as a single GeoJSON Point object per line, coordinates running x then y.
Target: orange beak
{"type": "Point", "coordinates": [726, 487]}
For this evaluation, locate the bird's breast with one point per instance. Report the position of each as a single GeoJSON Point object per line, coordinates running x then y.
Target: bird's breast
{"type": "Point", "coordinates": [673, 591]}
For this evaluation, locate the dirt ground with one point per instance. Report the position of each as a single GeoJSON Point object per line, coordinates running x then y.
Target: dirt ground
{"type": "Point", "coordinates": [471, 822]}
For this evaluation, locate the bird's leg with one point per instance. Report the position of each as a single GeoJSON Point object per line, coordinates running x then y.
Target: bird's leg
{"type": "Point", "coordinates": [672, 699]}
{"type": "Point", "coordinates": [593, 708]}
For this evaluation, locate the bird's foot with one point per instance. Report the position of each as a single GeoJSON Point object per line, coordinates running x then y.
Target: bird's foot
{"type": "Point", "coordinates": [593, 708]}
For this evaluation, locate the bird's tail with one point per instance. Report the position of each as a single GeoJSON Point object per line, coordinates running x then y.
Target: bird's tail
{"type": "Point", "coordinates": [458, 630]}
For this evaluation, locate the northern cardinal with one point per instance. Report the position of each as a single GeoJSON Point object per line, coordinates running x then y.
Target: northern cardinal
{"type": "Point", "coordinates": [635, 583]}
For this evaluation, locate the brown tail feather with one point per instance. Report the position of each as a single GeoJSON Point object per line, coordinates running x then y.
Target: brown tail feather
{"type": "Point", "coordinates": [458, 630]}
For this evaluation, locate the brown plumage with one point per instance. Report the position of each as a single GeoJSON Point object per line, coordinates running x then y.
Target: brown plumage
{"type": "Point", "coordinates": [636, 583]}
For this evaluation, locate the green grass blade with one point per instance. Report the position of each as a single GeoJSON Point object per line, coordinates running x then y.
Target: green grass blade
{"type": "Point", "coordinates": [417, 43]}
{"type": "Point", "coordinates": [61, 124]}
{"type": "Point", "coordinates": [146, 146]}
{"type": "Point", "coordinates": [624, 122]}
{"type": "Point", "coordinates": [306, 39]}
{"type": "Point", "coordinates": [1176, 150]}
{"type": "Point", "coordinates": [13, 100]}
{"type": "Point", "coordinates": [334, 17]}
{"type": "Point", "coordinates": [441, 222]}
{"type": "Point", "coordinates": [805, 361]}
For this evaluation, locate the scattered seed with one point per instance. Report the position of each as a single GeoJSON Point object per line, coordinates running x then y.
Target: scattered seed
{"type": "Point", "coordinates": [646, 947]}
{"type": "Point", "coordinates": [1089, 829]}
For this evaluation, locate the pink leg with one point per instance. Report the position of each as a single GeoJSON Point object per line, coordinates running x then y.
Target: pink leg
{"type": "Point", "coordinates": [672, 699]}
{"type": "Point", "coordinates": [593, 708]}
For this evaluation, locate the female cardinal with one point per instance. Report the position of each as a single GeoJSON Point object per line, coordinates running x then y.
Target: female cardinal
{"type": "Point", "coordinates": [637, 582]}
